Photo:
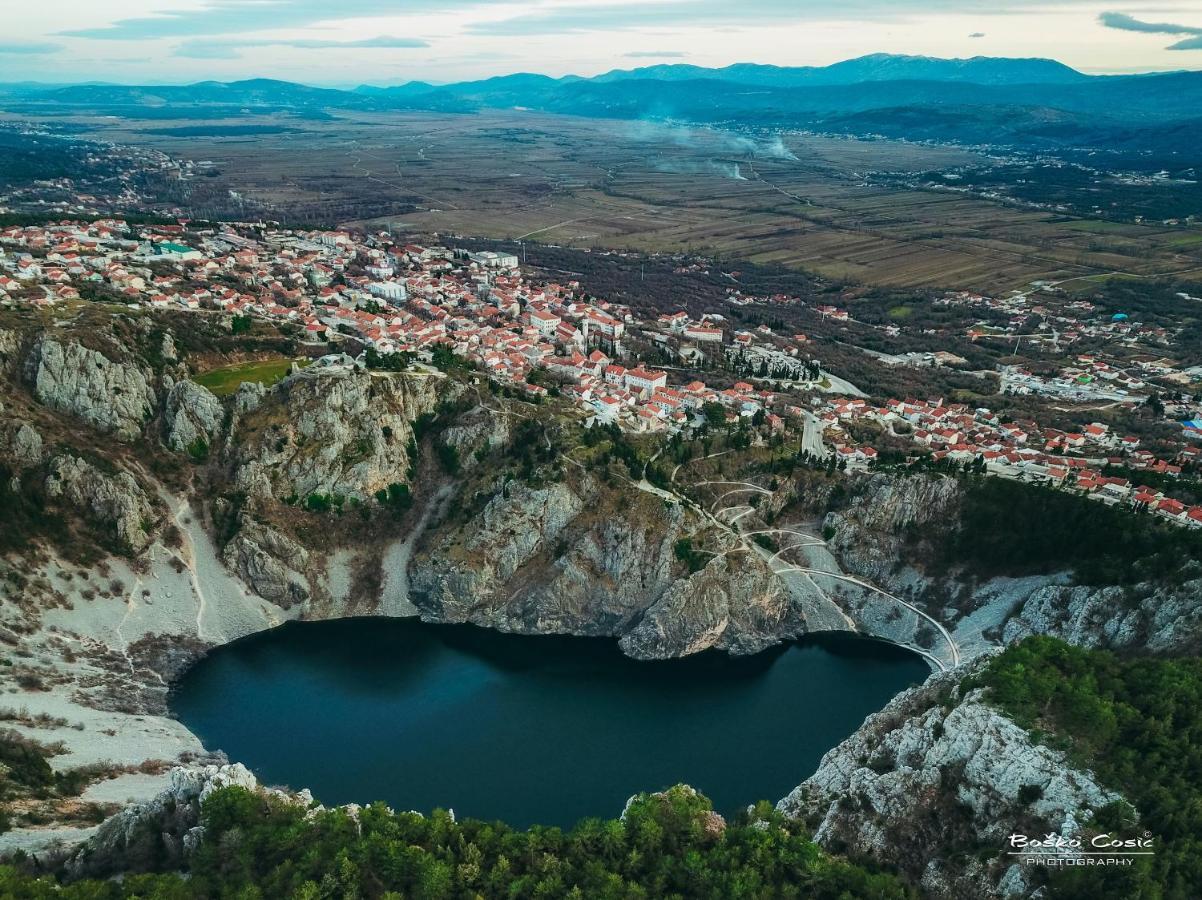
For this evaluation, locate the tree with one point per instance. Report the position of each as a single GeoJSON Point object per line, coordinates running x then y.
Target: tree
{"type": "Point", "coordinates": [715, 414]}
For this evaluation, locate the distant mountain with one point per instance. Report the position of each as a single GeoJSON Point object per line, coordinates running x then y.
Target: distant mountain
{"type": "Point", "coordinates": [1028, 103]}
{"type": "Point", "coordinates": [875, 67]}
{"type": "Point", "coordinates": [252, 92]}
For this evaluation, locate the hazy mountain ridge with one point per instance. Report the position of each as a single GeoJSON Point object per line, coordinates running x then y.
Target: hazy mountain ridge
{"type": "Point", "coordinates": [1036, 104]}
{"type": "Point", "coordinates": [873, 67]}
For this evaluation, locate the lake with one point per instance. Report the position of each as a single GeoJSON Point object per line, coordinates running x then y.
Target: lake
{"type": "Point", "coordinates": [526, 729]}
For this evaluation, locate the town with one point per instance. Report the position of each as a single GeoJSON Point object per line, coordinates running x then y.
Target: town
{"type": "Point", "coordinates": [373, 300]}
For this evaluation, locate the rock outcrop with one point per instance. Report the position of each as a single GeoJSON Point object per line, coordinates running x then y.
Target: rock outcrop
{"type": "Point", "coordinates": [10, 351]}
{"type": "Point", "coordinates": [1144, 617]}
{"type": "Point", "coordinates": [893, 522]}
{"type": "Point", "coordinates": [331, 431]}
{"type": "Point", "coordinates": [114, 502]}
{"type": "Point", "coordinates": [161, 831]}
{"type": "Point", "coordinates": [870, 536]}
{"type": "Point", "coordinates": [20, 444]}
{"type": "Point", "coordinates": [592, 559]}
{"type": "Point", "coordinates": [479, 430]}
{"type": "Point", "coordinates": [934, 784]}
{"type": "Point", "coordinates": [272, 564]}
{"type": "Point", "coordinates": [192, 418]}
{"type": "Point", "coordinates": [114, 397]}
{"type": "Point", "coordinates": [741, 609]}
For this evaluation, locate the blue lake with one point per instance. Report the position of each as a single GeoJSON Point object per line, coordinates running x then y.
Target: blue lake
{"type": "Point", "coordinates": [526, 729]}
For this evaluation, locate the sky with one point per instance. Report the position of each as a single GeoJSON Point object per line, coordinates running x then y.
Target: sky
{"type": "Point", "coordinates": [349, 42]}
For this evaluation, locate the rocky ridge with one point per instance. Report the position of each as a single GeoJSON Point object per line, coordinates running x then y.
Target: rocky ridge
{"type": "Point", "coordinates": [889, 524]}
{"type": "Point", "coordinates": [113, 397]}
{"type": "Point", "coordinates": [940, 768]}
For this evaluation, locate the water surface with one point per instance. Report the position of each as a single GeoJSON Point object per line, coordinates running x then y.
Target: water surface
{"type": "Point", "coordinates": [526, 729]}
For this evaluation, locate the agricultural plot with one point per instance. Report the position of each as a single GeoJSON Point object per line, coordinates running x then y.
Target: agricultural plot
{"type": "Point", "coordinates": [804, 201]}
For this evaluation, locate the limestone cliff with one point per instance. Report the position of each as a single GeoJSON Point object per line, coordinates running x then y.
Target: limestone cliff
{"type": "Point", "coordinates": [163, 830]}
{"type": "Point", "coordinates": [894, 524]}
{"type": "Point", "coordinates": [115, 501]}
{"type": "Point", "coordinates": [741, 608]}
{"type": "Point", "coordinates": [111, 396]}
{"type": "Point", "coordinates": [581, 557]}
{"type": "Point", "coordinates": [872, 535]}
{"type": "Point", "coordinates": [934, 783]}
{"type": "Point", "coordinates": [338, 431]}
{"type": "Point", "coordinates": [192, 418]}
{"type": "Point", "coordinates": [1144, 617]}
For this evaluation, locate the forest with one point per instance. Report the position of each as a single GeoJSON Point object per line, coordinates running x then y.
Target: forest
{"type": "Point", "coordinates": [1137, 724]}
{"type": "Point", "coordinates": [1007, 527]}
{"type": "Point", "coordinates": [666, 845]}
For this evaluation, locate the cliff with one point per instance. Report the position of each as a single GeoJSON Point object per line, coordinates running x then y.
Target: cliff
{"type": "Point", "coordinates": [934, 783]}
{"type": "Point", "coordinates": [339, 431]}
{"type": "Point", "coordinates": [895, 530]}
{"type": "Point", "coordinates": [112, 396]}
{"type": "Point", "coordinates": [584, 557]}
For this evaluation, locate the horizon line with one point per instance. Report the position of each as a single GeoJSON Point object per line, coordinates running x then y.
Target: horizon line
{"type": "Point", "coordinates": [348, 86]}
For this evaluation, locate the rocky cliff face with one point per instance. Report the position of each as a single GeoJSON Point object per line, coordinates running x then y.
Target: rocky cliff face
{"type": "Point", "coordinates": [20, 444]}
{"type": "Point", "coordinates": [1155, 618]}
{"type": "Point", "coordinates": [341, 432]}
{"type": "Point", "coordinates": [584, 558]}
{"type": "Point", "coordinates": [893, 521]}
{"type": "Point", "coordinates": [116, 501]}
{"type": "Point", "coordinates": [870, 536]}
{"type": "Point", "coordinates": [740, 608]}
{"type": "Point", "coordinates": [161, 831]}
{"type": "Point", "coordinates": [271, 564]}
{"type": "Point", "coordinates": [934, 784]}
{"type": "Point", "coordinates": [192, 418]}
{"type": "Point", "coordinates": [111, 396]}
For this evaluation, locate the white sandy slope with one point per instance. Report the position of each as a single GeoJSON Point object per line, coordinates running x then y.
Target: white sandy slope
{"type": "Point", "coordinates": [85, 645]}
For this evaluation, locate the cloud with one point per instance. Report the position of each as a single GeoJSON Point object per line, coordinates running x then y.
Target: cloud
{"type": "Point", "coordinates": [30, 48]}
{"type": "Point", "coordinates": [1124, 22]}
{"type": "Point", "coordinates": [242, 16]}
{"type": "Point", "coordinates": [624, 16]}
{"type": "Point", "coordinates": [655, 54]}
{"type": "Point", "coordinates": [228, 49]}
{"type": "Point", "coordinates": [977, 34]}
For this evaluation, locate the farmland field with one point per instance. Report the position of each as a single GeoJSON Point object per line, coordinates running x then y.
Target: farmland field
{"type": "Point", "coordinates": [807, 201]}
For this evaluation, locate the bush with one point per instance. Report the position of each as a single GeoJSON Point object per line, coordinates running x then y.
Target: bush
{"type": "Point", "coordinates": [198, 450]}
{"type": "Point", "coordinates": [318, 503]}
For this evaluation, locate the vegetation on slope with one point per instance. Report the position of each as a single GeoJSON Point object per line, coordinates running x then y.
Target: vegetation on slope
{"type": "Point", "coordinates": [1007, 527]}
{"type": "Point", "coordinates": [666, 845]}
{"type": "Point", "coordinates": [1137, 723]}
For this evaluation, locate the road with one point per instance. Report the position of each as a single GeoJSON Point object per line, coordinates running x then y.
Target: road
{"type": "Point", "coordinates": [811, 437]}
{"type": "Point", "coordinates": [787, 571]}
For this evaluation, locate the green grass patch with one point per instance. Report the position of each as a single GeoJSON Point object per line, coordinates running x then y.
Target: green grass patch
{"type": "Point", "coordinates": [1188, 240]}
{"type": "Point", "coordinates": [1095, 226]}
{"type": "Point", "coordinates": [225, 381]}
{"type": "Point", "coordinates": [901, 312]}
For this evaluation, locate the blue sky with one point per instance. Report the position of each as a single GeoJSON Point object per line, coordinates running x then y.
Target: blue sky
{"type": "Point", "coordinates": [344, 42]}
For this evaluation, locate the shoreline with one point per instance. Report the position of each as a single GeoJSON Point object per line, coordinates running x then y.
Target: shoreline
{"type": "Point", "coordinates": [112, 657]}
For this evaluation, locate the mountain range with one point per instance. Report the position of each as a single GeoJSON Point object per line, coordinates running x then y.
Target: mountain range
{"type": "Point", "coordinates": [1029, 103]}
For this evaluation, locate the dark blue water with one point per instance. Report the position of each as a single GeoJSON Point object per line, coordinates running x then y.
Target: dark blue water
{"type": "Point", "coordinates": [526, 729]}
